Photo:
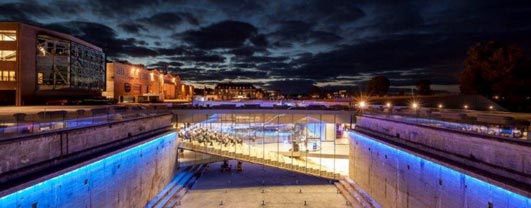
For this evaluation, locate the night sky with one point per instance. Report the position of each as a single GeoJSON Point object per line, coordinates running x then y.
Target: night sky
{"type": "Point", "coordinates": [289, 45]}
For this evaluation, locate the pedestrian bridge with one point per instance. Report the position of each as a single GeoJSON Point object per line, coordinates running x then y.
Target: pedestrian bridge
{"type": "Point", "coordinates": [247, 153]}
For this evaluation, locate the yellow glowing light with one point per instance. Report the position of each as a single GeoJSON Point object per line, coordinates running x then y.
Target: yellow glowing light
{"type": "Point", "coordinates": [414, 105]}
{"type": "Point", "coordinates": [388, 104]}
{"type": "Point", "coordinates": [362, 104]}
{"type": "Point", "coordinates": [41, 49]}
{"type": "Point", "coordinates": [440, 106]}
{"type": "Point", "coordinates": [491, 107]}
{"type": "Point", "coordinates": [466, 106]}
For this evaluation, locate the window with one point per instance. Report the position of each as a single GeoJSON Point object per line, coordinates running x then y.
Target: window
{"type": "Point", "coordinates": [8, 55]}
{"type": "Point", "coordinates": [8, 35]}
{"type": "Point", "coordinates": [7, 76]}
{"type": "Point", "coordinates": [40, 78]}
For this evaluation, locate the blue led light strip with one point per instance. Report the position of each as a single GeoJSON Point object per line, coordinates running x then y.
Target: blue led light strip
{"type": "Point", "coordinates": [66, 179]}
{"type": "Point", "coordinates": [476, 187]}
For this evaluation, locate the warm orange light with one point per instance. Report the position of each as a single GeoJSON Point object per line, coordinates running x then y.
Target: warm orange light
{"type": "Point", "coordinates": [414, 105]}
{"type": "Point", "coordinates": [362, 104]}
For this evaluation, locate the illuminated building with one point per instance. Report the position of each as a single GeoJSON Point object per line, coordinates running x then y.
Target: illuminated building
{"type": "Point", "coordinates": [54, 65]}
{"type": "Point", "coordinates": [234, 91]}
{"type": "Point", "coordinates": [133, 83]}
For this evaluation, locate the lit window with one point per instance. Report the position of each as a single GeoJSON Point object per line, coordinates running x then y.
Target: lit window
{"type": "Point", "coordinates": [12, 76]}
{"type": "Point", "coordinates": [8, 35]}
{"type": "Point", "coordinates": [8, 55]}
{"type": "Point", "coordinates": [7, 76]}
{"type": "Point", "coordinates": [40, 78]}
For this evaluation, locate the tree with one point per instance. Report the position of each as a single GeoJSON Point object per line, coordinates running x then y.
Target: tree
{"type": "Point", "coordinates": [493, 68]}
{"type": "Point", "coordinates": [423, 87]}
{"type": "Point", "coordinates": [378, 85]}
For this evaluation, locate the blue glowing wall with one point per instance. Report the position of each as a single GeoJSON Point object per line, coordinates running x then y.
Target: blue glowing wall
{"type": "Point", "coordinates": [126, 179]}
{"type": "Point", "coordinates": [395, 178]}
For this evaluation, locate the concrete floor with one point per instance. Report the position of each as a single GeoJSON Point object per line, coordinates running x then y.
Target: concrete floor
{"type": "Point", "coordinates": [257, 185]}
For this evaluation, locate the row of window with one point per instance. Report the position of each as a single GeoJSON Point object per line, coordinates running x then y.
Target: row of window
{"type": "Point", "coordinates": [7, 75]}
{"type": "Point", "coordinates": [8, 35]}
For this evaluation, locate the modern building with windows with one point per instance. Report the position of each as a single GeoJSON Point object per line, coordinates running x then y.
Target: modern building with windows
{"type": "Point", "coordinates": [38, 65]}
{"type": "Point", "coordinates": [238, 91]}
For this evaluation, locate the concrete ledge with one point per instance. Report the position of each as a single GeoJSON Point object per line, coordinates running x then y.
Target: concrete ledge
{"type": "Point", "coordinates": [509, 180]}
{"type": "Point", "coordinates": [27, 154]}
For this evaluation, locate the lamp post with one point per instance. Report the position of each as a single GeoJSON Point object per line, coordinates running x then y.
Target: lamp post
{"type": "Point", "coordinates": [362, 105]}
{"type": "Point", "coordinates": [389, 109]}
{"type": "Point", "coordinates": [415, 107]}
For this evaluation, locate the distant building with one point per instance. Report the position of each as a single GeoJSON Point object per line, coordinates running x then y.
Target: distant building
{"type": "Point", "coordinates": [205, 94]}
{"type": "Point", "coordinates": [234, 91]}
{"type": "Point", "coordinates": [273, 95]}
{"type": "Point", "coordinates": [133, 83]}
{"type": "Point", "coordinates": [186, 92]}
{"type": "Point", "coordinates": [38, 65]}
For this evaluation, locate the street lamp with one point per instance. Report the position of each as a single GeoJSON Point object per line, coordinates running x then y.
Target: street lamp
{"type": "Point", "coordinates": [466, 107]}
{"type": "Point", "coordinates": [491, 107]}
{"type": "Point", "coordinates": [414, 105]}
{"type": "Point", "coordinates": [362, 104]}
{"type": "Point", "coordinates": [388, 104]}
{"type": "Point", "coordinates": [440, 106]}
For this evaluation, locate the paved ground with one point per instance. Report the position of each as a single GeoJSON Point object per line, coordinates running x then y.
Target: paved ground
{"type": "Point", "coordinates": [257, 185]}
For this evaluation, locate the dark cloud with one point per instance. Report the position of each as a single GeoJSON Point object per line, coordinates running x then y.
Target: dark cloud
{"type": "Point", "coordinates": [169, 20]}
{"type": "Point", "coordinates": [247, 51]}
{"type": "Point", "coordinates": [201, 58]}
{"type": "Point", "coordinates": [225, 34]}
{"type": "Point", "coordinates": [132, 27]}
{"type": "Point", "coordinates": [120, 8]}
{"type": "Point", "coordinates": [290, 32]}
{"type": "Point", "coordinates": [105, 37]}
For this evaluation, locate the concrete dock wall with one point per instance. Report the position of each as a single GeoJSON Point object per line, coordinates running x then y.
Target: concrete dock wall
{"type": "Point", "coordinates": [29, 153]}
{"type": "Point", "coordinates": [507, 162]}
{"type": "Point", "coordinates": [396, 178]}
{"type": "Point", "coordinates": [129, 178]}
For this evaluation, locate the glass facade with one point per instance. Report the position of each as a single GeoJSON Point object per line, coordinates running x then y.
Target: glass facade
{"type": "Point", "coordinates": [87, 68]}
{"type": "Point", "coordinates": [65, 64]}
{"type": "Point", "coordinates": [308, 143]}
{"type": "Point", "coordinates": [53, 62]}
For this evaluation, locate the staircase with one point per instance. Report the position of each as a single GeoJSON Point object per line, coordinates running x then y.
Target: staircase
{"type": "Point", "coordinates": [247, 153]}
{"type": "Point", "coordinates": [172, 194]}
{"type": "Point", "coordinates": [355, 196]}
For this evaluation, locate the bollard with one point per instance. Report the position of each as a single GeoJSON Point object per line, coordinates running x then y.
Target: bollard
{"type": "Point", "coordinates": [263, 191]}
{"type": "Point", "coordinates": [263, 203]}
{"type": "Point", "coordinates": [221, 203]}
{"type": "Point", "coordinates": [304, 203]}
